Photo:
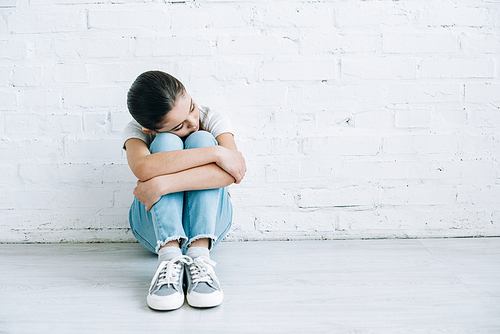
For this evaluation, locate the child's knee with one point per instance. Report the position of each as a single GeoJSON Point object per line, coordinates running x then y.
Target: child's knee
{"type": "Point", "coordinates": [166, 142]}
{"type": "Point", "coordinates": [200, 139]}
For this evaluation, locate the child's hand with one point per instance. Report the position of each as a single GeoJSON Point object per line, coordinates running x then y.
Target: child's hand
{"type": "Point", "coordinates": [148, 192]}
{"type": "Point", "coordinates": [232, 162]}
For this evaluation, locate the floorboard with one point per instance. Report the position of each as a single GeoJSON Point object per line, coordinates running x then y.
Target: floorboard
{"type": "Point", "coordinates": [349, 286]}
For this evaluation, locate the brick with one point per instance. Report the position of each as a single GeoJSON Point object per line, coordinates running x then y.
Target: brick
{"type": "Point", "coordinates": [26, 76]}
{"type": "Point", "coordinates": [58, 2]}
{"type": "Point", "coordinates": [327, 119]}
{"type": "Point", "coordinates": [251, 121]}
{"type": "Point", "coordinates": [42, 148]}
{"type": "Point", "coordinates": [256, 146]}
{"type": "Point", "coordinates": [479, 194]}
{"type": "Point", "coordinates": [453, 116]}
{"type": "Point", "coordinates": [9, 100]}
{"type": "Point", "coordinates": [320, 42]}
{"type": "Point", "coordinates": [92, 47]}
{"type": "Point", "coordinates": [486, 143]}
{"type": "Point", "coordinates": [2, 126]}
{"type": "Point", "coordinates": [372, 14]}
{"type": "Point", "coordinates": [7, 204]}
{"type": "Point", "coordinates": [233, 70]}
{"type": "Point", "coordinates": [118, 173]}
{"type": "Point", "coordinates": [278, 220]}
{"type": "Point", "coordinates": [5, 75]}
{"type": "Point", "coordinates": [288, 225]}
{"type": "Point", "coordinates": [352, 42]}
{"type": "Point", "coordinates": [44, 48]}
{"type": "Point", "coordinates": [375, 119]}
{"type": "Point", "coordinates": [298, 70]}
{"type": "Point", "coordinates": [40, 174]}
{"type": "Point", "coordinates": [21, 123]}
{"type": "Point", "coordinates": [40, 99]}
{"type": "Point", "coordinates": [475, 43]}
{"type": "Point", "coordinates": [31, 199]}
{"type": "Point", "coordinates": [80, 173]}
{"type": "Point", "coordinates": [486, 118]}
{"type": "Point", "coordinates": [37, 22]}
{"type": "Point", "coordinates": [337, 96]}
{"type": "Point", "coordinates": [312, 15]}
{"type": "Point", "coordinates": [68, 73]}
{"type": "Point", "coordinates": [263, 44]}
{"type": "Point", "coordinates": [413, 118]}
{"type": "Point", "coordinates": [105, 73]}
{"type": "Point", "coordinates": [417, 43]}
{"type": "Point", "coordinates": [95, 97]}
{"type": "Point", "coordinates": [95, 150]}
{"type": "Point", "coordinates": [97, 124]}
{"type": "Point", "coordinates": [424, 93]}
{"type": "Point", "coordinates": [418, 195]}
{"type": "Point", "coordinates": [8, 3]}
{"type": "Point", "coordinates": [283, 171]}
{"type": "Point", "coordinates": [421, 144]}
{"type": "Point", "coordinates": [342, 145]}
{"type": "Point", "coordinates": [122, 200]}
{"type": "Point", "coordinates": [255, 95]}
{"type": "Point", "coordinates": [458, 68]}
{"type": "Point", "coordinates": [455, 170]}
{"type": "Point", "coordinates": [265, 197]}
{"type": "Point", "coordinates": [285, 146]}
{"type": "Point", "coordinates": [294, 123]}
{"type": "Point", "coordinates": [379, 68]}
{"type": "Point", "coordinates": [318, 169]}
{"type": "Point", "coordinates": [7, 175]}
{"type": "Point", "coordinates": [452, 16]}
{"type": "Point", "coordinates": [13, 49]}
{"type": "Point", "coordinates": [128, 19]}
{"type": "Point", "coordinates": [342, 197]}
{"type": "Point", "coordinates": [376, 220]}
{"type": "Point", "coordinates": [55, 124]}
{"type": "Point", "coordinates": [84, 198]}
{"type": "Point", "coordinates": [482, 92]}
{"type": "Point", "coordinates": [377, 170]}
{"type": "Point", "coordinates": [207, 16]}
{"type": "Point", "coordinates": [172, 46]}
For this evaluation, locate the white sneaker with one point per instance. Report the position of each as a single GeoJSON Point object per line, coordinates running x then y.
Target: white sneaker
{"type": "Point", "coordinates": [165, 292]}
{"type": "Point", "coordinates": [203, 288]}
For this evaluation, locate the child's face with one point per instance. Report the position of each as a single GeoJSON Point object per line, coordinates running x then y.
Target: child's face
{"type": "Point", "coordinates": [183, 119]}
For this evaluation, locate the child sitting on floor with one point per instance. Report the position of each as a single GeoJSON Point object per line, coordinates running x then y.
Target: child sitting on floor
{"type": "Point", "coordinates": [184, 156]}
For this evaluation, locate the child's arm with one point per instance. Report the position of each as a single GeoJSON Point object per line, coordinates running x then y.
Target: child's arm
{"type": "Point", "coordinates": [208, 176]}
{"type": "Point", "coordinates": [146, 166]}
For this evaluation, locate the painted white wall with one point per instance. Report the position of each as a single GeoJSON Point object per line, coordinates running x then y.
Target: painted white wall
{"type": "Point", "coordinates": [357, 119]}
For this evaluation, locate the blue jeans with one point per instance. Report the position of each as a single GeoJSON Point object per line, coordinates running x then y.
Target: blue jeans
{"type": "Point", "coordinates": [183, 216]}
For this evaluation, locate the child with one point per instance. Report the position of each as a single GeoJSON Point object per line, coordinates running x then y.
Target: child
{"type": "Point", "coordinates": [184, 156]}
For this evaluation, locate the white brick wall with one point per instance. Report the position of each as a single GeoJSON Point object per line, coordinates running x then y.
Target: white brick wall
{"type": "Point", "coordinates": [358, 119]}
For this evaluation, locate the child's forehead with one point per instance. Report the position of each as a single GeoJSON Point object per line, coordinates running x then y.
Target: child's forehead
{"type": "Point", "coordinates": [183, 98]}
{"type": "Point", "coordinates": [179, 112]}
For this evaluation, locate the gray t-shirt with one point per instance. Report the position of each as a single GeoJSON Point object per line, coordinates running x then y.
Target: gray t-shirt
{"type": "Point", "coordinates": [212, 121]}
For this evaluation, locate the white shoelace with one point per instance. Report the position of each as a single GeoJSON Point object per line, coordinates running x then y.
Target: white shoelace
{"type": "Point", "coordinates": [168, 273]}
{"type": "Point", "coordinates": [202, 270]}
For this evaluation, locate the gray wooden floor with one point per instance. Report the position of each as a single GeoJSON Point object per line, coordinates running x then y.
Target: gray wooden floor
{"type": "Point", "coordinates": [371, 286]}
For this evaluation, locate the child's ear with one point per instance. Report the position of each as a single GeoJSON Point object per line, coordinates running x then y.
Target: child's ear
{"type": "Point", "coordinates": [149, 131]}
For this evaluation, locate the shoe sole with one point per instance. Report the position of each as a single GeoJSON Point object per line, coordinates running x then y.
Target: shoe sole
{"type": "Point", "coordinates": [165, 303]}
{"type": "Point", "coordinates": [202, 300]}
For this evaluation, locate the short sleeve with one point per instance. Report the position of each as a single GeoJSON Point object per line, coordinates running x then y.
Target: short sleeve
{"type": "Point", "coordinates": [215, 122]}
{"type": "Point", "coordinates": [134, 130]}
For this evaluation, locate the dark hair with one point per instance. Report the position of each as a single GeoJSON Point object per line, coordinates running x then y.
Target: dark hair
{"type": "Point", "coordinates": [152, 96]}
